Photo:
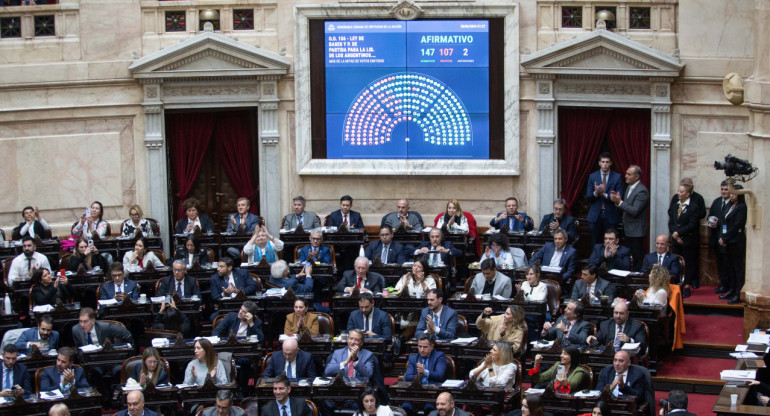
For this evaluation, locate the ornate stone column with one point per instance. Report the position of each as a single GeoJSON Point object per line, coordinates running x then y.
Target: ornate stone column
{"type": "Point", "coordinates": [660, 159]}
{"type": "Point", "coordinates": [155, 144]}
{"type": "Point", "coordinates": [269, 164]}
{"type": "Point", "coordinates": [546, 148]}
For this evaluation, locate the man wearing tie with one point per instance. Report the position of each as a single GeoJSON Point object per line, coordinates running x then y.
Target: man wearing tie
{"type": "Point", "coordinates": [625, 379]}
{"type": "Point", "coordinates": [635, 205]}
{"type": "Point", "coordinates": [119, 288]}
{"type": "Point", "coordinates": [557, 254]}
{"type": "Point", "coordinates": [389, 251]}
{"type": "Point", "coordinates": [352, 361]}
{"type": "Point", "coordinates": [307, 219]}
{"type": "Point", "coordinates": [15, 375]}
{"type": "Point", "coordinates": [591, 285]}
{"type": "Point", "coordinates": [427, 363]}
{"type": "Point", "coordinates": [344, 215]}
{"type": "Point", "coordinates": [23, 264]}
{"type": "Point", "coordinates": [283, 405]}
{"type": "Point", "coordinates": [603, 214]}
{"type": "Point", "coordinates": [179, 282]}
{"type": "Point", "coordinates": [438, 252]}
{"type": "Point", "coordinates": [611, 252]}
{"type": "Point", "coordinates": [663, 257]}
{"type": "Point", "coordinates": [620, 330]}
{"type": "Point", "coordinates": [361, 278]}
{"type": "Point", "coordinates": [373, 321]}
{"type": "Point", "coordinates": [315, 252]}
{"type": "Point", "coordinates": [716, 213]}
{"type": "Point", "coordinates": [436, 319]}
{"type": "Point", "coordinates": [243, 218]}
{"type": "Point", "coordinates": [227, 281]}
{"type": "Point", "coordinates": [292, 361]}
{"type": "Point", "coordinates": [135, 405]}
{"type": "Point", "coordinates": [559, 220]}
{"type": "Point", "coordinates": [64, 374]}
{"type": "Point", "coordinates": [511, 219]}
{"type": "Point", "coordinates": [570, 328]}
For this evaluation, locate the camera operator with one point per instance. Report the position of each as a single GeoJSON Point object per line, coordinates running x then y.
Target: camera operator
{"type": "Point", "coordinates": [676, 404]}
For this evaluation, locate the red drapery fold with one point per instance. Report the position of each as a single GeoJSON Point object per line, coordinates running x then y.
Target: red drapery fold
{"type": "Point", "coordinates": [231, 137]}
{"type": "Point", "coordinates": [581, 132]}
{"type": "Point", "coordinates": [188, 136]}
{"type": "Point", "coordinates": [629, 141]}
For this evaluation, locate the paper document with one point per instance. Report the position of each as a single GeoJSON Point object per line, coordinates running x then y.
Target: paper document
{"type": "Point", "coordinates": [42, 308]}
{"type": "Point", "coordinates": [275, 292]}
{"type": "Point", "coordinates": [534, 391]}
{"type": "Point", "coordinates": [498, 297]}
{"type": "Point", "coordinates": [749, 355]}
{"type": "Point", "coordinates": [621, 273]}
{"type": "Point", "coordinates": [321, 381]}
{"type": "Point", "coordinates": [741, 347]}
{"type": "Point", "coordinates": [90, 348]}
{"type": "Point", "coordinates": [738, 375]}
{"type": "Point", "coordinates": [631, 346]}
{"type": "Point", "coordinates": [552, 269]}
{"type": "Point", "coordinates": [464, 340]}
{"type": "Point", "coordinates": [590, 393]}
{"type": "Point", "coordinates": [757, 338]}
{"type": "Point", "coordinates": [542, 344]}
{"type": "Point", "coordinates": [51, 395]}
{"type": "Point", "coordinates": [157, 299]}
{"type": "Point", "coordinates": [213, 340]}
{"type": "Point", "coordinates": [106, 302]}
{"type": "Point", "coordinates": [452, 383]}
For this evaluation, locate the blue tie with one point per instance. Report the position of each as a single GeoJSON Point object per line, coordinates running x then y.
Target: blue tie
{"type": "Point", "coordinates": [179, 288]}
{"type": "Point", "coordinates": [435, 319]}
{"type": "Point", "coordinates": [118, 288]}
{"type": "Point", "coordinates": [288, 370]}
{"type": "Point", "coordinates": [90, 341]}
{"type": "Point", "coordinates": [8, 381]}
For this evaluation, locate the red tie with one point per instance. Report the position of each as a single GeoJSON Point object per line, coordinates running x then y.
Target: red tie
{"type": "Point", "coordinates": [358, 283]}
{"type": "Point", "coordinates": [345, 220]}
{"type": "Point", "coordinates": [351, 369]}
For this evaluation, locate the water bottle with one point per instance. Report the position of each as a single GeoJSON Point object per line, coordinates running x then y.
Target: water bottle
{"type": "Point", "coordinates": [361, 252]}
{"type": "Point", "coordinates": [7, 304]}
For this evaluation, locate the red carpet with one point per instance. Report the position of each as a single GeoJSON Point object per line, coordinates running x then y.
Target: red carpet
{"type": "Point", "coordinates": [700, 404]}
{"type": "Point", "coordinates": [694, 367]}
{"type": "Point", "coordinates": [713, 329]}
{"type": "Point", "coordinates": [704, 294]}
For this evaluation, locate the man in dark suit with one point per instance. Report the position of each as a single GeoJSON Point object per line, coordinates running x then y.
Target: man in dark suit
{"type": "Point", "coordinates": [427, 363]}
{"type": "Point", "coordinates": [227, 281]}
{"type": "Point", "coordinates": [717, 212]}
{"type": "Point", "coordinates": [592, 285]}
{"type": "Point", "coordinates": [351, 219]}
{"type": "Point", "coordinates": [315, 251]}
{"type": "Point", "coordinates": [635, 205]}
{"type": "Point", "coordinates": [677, 404]}
{"type": "Point", "coordinates": [699, 208]}
{"type": "Point", "coordinates": [33, 225]}
{"type": "Point", "coordinates": [611, 252]}
{"type": "Point", "coordinates": [119, 288]}
{"type": "Point", "coordinates": [625, 379]}
{"type": "Point", "coordinates": [179, 282]}
{"type": "Point", "coordinates": [663, 257]}
{"type": "Point", "coordinates": [245, 323]}
{"type": "Point", "coordinates": [558, 254]}
{"type": "Point", "coordinates": [436, 319]}
{"type": "Point", "coordinates": [570, 328]}
{"type": "Point", "coordinates": [620, 329]}
{"type": "Point", "coordinates": [388, 250]}
{"type": "Point", "coordinates": [684, 226]}
{"type": "Point", "coordinates": [511, 219]}
{"type": "Point", "coordinates": [135, 404]}
{"type": "Point", "coordinates": [292, 361]}
{"type": "Point", "coordinates": [445, 406]}
{"type": "Point", "coordinates": [242, 217]}
{"type": "Point", "coordinates": [353, 360]}
{"type": "Point", "coordinates": [64, 373]}
{"type": "Point", "coordinates": [14, 375]}
{"type": "Point", "coordinates": [373, 321]}
{"type": "Point", "coordinates": [43, 336]}
{"type": "Point", "coordinates": [558, 219]}
{"type": "Point", "coordinates": [309, 220]}
{"type": "Point", "coordinates": [89, 331]}
{"type": "Point", "coordinates": [283, 404]}
{"type": "Point", "coordinates": [224, 405]}
{"type": "Point", "coordinates": [603, 214]}
{"type": "Point", "coordinates": [438, 252]}
{"type": "Point", "coordinates": [360, 277]}
{"type": "Point", "coordinates": [411, 220]}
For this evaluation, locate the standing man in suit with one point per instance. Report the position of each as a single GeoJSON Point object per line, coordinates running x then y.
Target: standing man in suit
{"type": "Point", "coordinates": [120, 288]}
{"type": "Point", "coordinates": [292, 361]}
{"type": "Point", "coordinates": [360, 277]}
{"type": "Point", "coordinates": [43, 336]}
{"type": "Point", "coordinates": [179, 282]}
{"type": "Point", "coordinates": [439, 252]}
{"type": "Point", "coordinates": [717, 213]}
{"type": "Point", "coordinates": [701, 214]}
{"type": "Point", "coordinates": [625, 379]}
{"type": "Point", "coordinates": [683, 224]}
{"type": "Point", "coordinates": [491, 282]}
{"type": "Point", "coordinates": [135, 404]}
{"type": "Point", "coordinates": [344, 215]}
{"type": "Point", "coordinates": [15, 375]}
{"type": "Point", "coordinates": [283, 405]}
{"type": "Point", "coordinates": [64, 374]}
{"type": "Point", "coordinates": [663, 257]}
{"type": "Point", "coordinates": [620, 329]}
{"type": "Point", "coordinates": [309, 220]}
{"type": "Point", "coordinates": [559, 220]}
{"type": "Point", "coordinates": [570, 328]}
{"type": "Point", "coordinates": [445, 406]}
{"type": "Point", "coordinates": [374, 322]}
{"type": "Point", "coordinates": [227, 281]}
{"type": "Point", "coordinates": [591, 285]}
{"type": "Point", "coordinates": [603, 214]}
{"type": "Point", "coordinates": [243, 217]}
{"type": "Point", "coordinates": [33, 225]}
{"type": "Point", "coordinates": [635, 205]}
{"type": "Point", "coordinates": [389, 251]}
{"type": "Point", "coordinates": [353, 360]}
{"type": "Point", "coordinates": [411, 220]}
{"type": "Point", "coordinates": [611, 252]}
{"type": "Point", "coordinates": [677, 404]}
{"type": "Point", "coordinates": [436, 319]}
{"type": "Point", "coordinates": [511, 219]}
{"type": "Point", "coordinates": [558, 254]}
{"type": "Point", "coordinates": [315, 251]}
{"type": "Point", "coordinates": [224, 406]}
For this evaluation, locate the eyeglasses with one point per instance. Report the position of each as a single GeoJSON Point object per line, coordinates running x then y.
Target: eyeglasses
{"type": "Point", "coordinates": [315, 238]}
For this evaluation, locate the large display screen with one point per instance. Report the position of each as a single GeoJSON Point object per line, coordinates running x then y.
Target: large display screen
{"type": "Point", "coordinates": [416, 89]}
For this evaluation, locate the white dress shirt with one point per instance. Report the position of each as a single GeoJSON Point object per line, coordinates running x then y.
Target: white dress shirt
{"type": "Point", "coordinates": [20, 267]}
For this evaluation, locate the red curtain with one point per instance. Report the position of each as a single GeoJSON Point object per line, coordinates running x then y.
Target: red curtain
{"type": "Point", "coordinates": [581, 133]}
{"type": "Point", "coordinates": [188, 136]}
{"type": "Point", "coordinates": [629, 141]}
{"type": "Point", "coordinates": [231, 137]}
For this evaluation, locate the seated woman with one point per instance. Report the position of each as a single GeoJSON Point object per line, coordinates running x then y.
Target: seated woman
{"type": "Point", "coordinates": [531, 405]}
{"type": "Point", "coordinates": [369, 404]}
{"type": "Point", "coordinates": [190, 252]}
{"type": "Point", "coordinates": [193, 219]}
{"type": "Point", "coordinates": [301, 318]}
{"type": "Point", "coordinates": [152, 369]}
{"type": "Point", "coordinates": [508, 327]}
{"type": "Point", "coordinates": [571, 380]}
{"type": "Point", "coordinates": [532, 288]}
{"type": "Point", "coordinates": [453, 218]}
{"type": "Point", "coordinates": [171, 319]}
{"type": "Point", "coordinates": [205, 363]}
{"type": "Point", "coordinates": [301, 283]}
{"type": "Point", "coordinates": [262, 244]}
{"type": "Point", "coordinates": [497, 248]}
{"type": "Point", "coordinates": [141, 256]}
{"type": "Point", "coordinates": [498, 368]}
{"type": "Point", "coordinates": [46, 290]}
{"type": "Point", "coordinates": [136, 221]}
{"type": "Point", "coordinates": [658, 292]}
{"type": "Point", "coordinates": [94, 222]}
{"type": "Point", "coordinates": [87, 255]}
{"type": "Point", "coordinates": [416, 282]}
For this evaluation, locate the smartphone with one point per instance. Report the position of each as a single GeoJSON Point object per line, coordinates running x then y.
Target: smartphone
{"type": "Point", "coordinates": [560, 371]}
{"type": "Point", "coordinates": [168, 299]}
{"type": "Point", "coordinates": [88, 212]}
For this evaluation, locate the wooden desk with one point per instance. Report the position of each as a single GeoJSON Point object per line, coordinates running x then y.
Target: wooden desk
{"type": "Point", "coordinates": [87, 403]}
{"type": "Point", "coordinates": [568, 405]}
{"type": "Point", "coordinates": [480, 400]}
{"type": "Point", "coordinates": [161, 400]}
{"type": "Point", "coordinates": [722, 405]}
{"type": "Point", "coordinates": [264, 390]}
{"type": "Point", "coordinates": [190, 396]}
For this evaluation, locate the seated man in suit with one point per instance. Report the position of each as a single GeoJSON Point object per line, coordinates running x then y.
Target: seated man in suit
{"type": "Point", "coordinates": [301, 283]}
{"type": "Point", "coordinates": [43, 336]}
{"type": "Point", "coordinates": [559, 220]}
{"type": "Point", "coordinates": [389, 251]}
{"type": "Point", "coordinates": [307, 219]}
{"type": "Point", "coordinates": [64, 374]}
{"type": "Point", "coordinates": [291, 361]}
{"type": "Point", "coordinates": [14, 375]}
{"type": "Point", "coordinates": [179, 282]}
{"type": "Point", "coordinates": [243, 323]}
{"type": "Point", "coordinates": [315, 252]}
{"type": "Point", "coordinates": [427, 363]}
{"type": "Point", "coordinates": [570, 328]}
{"type": "Point", "coordinates": [557, 254]}
{"type": "Point", "coordinates": [33, 225]}
{"type": "Point", "coordinates": [226, 282]}
{"type": "Point", "coordinates": [625, 379]}
{"type": "Point", "coordinates": [243, 217]}
{"type": "Point", "coordinates": [120, 288]}
{"type": "Point", "coordinates": [590, 284]}
{"type": "Point", "coordinates": [611, 252]}
{"type": "Point", "coordinates": [511, 219]}
{"type": "Point", "coordinates": [224, 405]}
{"type": "Point", "coordinates": [353, 360]}
{"type": "Point", "coordinates": [410, 220]}
{"type": "Point", "coordinates": [436, 319]}
{"type": "Point", "coordinates": [491, 282]}
{"type": "Point", "coordinates": [438, 252]}
{"type": "Point", "coordinates": [677, 404]}
{"type": "Point", "coordinates": [620, 329]}
{"type": "Point", "coordinates": [374, 322]}
{"type": "Point", "coordinates": [135, 404]}
{"type": "Point", "coordinates": [663, 257]}
{"type": "Point", "coordinates": [89, 331]}
{"type": "Point", "coordinates": [344, 215]}
{"type": "Point", "coordinates": [283, 405]}
{"type": "Point", "coordinates": [360, 277]}
{"type": "Point", "coordinates": [445, 406]}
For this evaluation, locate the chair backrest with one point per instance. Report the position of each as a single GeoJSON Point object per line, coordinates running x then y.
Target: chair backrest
{"type": "Point", "coordinates": [229, 363]}
{"type": "Point", "coordinates": [160, 254]}
{"type": "Point", "coordinates": [553, 296]}
{"type": "Point", "coordinates": [258, 281]}
{"type": "Point", "coordinates": [212, 254]}
{"type": "Point", "coordinates": [154, 226]}
{"type": "Point", "coordinates": [591, 384]}
{"type": "Point", "coordinates": [326, 220]}
{"type": "Point", "coordinates": [468, 283]}
{"type": "Point", "coordinates": [157, 286]}
{"type": "Point", "coordinates": [217, 320]}
{"type": "Point", "coordinates": [646, 334]}
{"type": "Point", "coordinates": [519, 257]}
{"type": "Point", "coordinates": [11, 336]}
{"type": "Point", "coordinates": [397, 411]}
{"type": "Point", "coordinates": [312, 406]}
{"type": "Point", "coordinates": [439, 283]}
{"type": "Point", "coordinates": [462, 325]}
{"type": "Point", "coordinates": [682, 272]}
{"type": "Point", "coordinates": [250, 406]}
{"type": "Point", "coordinates": [450, 368]}
{"type": "Point", "coordinates": [264, 361]}
{"type": "Point", "coordinates": [325, 323]}
{"type": "Point", "coordinates": [128, 367]}
{"type": "Point", "coordinates": [594, 328]}
{"type": "Point", "coordinates": [118, 323]}
{"type": "Point", "coordinates": [65, 260]}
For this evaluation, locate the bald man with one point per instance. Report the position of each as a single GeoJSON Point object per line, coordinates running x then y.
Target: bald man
{"type": "Point", "coordinates": [620, 330]}
{"type": "Point", "coordinates": [662, 256]}
{"type": "Point", "coordinates": [135, 402]}
{"type": "Point", "coordinates": [411, 220]}
{"type": "Point", "coordinates": [445, 406]}
{"type": "Point", "coordinates": [292, 361]}
{"type": "Point", "coordinates": [626, 379]}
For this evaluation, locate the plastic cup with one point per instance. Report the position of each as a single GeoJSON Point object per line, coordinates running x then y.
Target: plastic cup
{"type": "Point", "coordinates": [733, 400]}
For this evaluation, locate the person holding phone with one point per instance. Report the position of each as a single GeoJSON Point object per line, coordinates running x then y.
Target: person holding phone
{"type": "Point", "coordinates": [565, 376]}
{"type": "Point", "coordinates": [46, 290]}
{"type": "Point", "coordinates": [91, 221]}
{"type": "Point", "coordinates": [88, 255]}
{"type": "Point", "coordinates": [301, 283]}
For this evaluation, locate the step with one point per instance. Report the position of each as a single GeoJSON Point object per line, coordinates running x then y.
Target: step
{"type": "Point", "coordinates": [707, 350]}
{"type": "Point", "coordinates": [688, 384]}
{"type": "Point", "coordinates": [709, 308]}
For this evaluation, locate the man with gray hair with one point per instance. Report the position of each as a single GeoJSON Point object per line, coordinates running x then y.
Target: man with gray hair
{"type": "Point", "coordinates": [559, 219]}
{"type": "Point", "coordinates": [301, 283]}
{"type": "Point", "coordinates": [224, 406]}
{"type": "Point", "coordinates": [307, 219]}
{"type": "Point", "coordinates": [634, 203]}
{"type": "Point", "coordinates": [361, 278]}
{"type": "Point", "coordinates": [135, 402]}
{"type": "Point", "coordinates": [179, 282]}
{"type": "Point", "coordinates": [696, 199]}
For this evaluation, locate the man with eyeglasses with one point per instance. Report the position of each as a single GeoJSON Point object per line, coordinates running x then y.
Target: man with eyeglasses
{"type": "Point", "coordinates": [315, 252]}
{"type": "Point", "coordinates": [119, 288]}
{"type": "Point", "coordinates": [179, 282]}
{"type": "Point", "coordinates": [389, 251]}
{"type": "Point", "coordinates": [224, 406]}
{"type": "Point", "coordinates": [559, 219]}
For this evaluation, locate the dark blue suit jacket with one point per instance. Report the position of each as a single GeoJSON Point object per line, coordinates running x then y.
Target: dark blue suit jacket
{"type": "Point", "coordinates": [147, 412]}
{"type": "Point", "coordinates": [242, 278]}
{"type": "Point", "coordinates": [51, 379]}
{"type": "Point", "coordinates": [325, 255]}
{"type": "Point", "coordinates": [129, 286]}
{"type": "Point", "coordinates": [231, 324]}
{"type": "Point", "coordinates": [31, 335]}
{"type": "Point", "coordinates": [20, 378]}
{"type": "Point", "coordinates": [621, 260]}
{"type": "Point", "coordinates": [453, 251]}
{"type": "Point", "coordinates": [670, 261]}
{"type": "Point", "coordinates": [447, 323]}
{"type": "Point", "coordinates": [395, 255]}
{"type": "Point", "coordinates": [436, 367]}
{"type": "Point", "coordinates": [633, 385]}
{"type": "Point", "coordinates": [252, 221]}
{"type": "Point", "coordinates": [614, 183]}
{"type": "Point", "coordinates": [380, 322]}
{"type": "Point", "coordinates": [568, 261]}
{"type": "Point", "coordinates": [354, 219]}
{"type": "Point", "coordinates": [168, 286]}
{"type": "Point", "coordinates": [567, 224]}
{"type": "Point", "coordinates": [528, 224]}
{"type": "Point", "coordinates": [277, 363]}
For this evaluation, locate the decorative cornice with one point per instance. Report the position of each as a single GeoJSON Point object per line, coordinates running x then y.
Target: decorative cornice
{"type": "Point", "coordinates": [604, 89]}
{"type": "Point", "coordinates": [209, 52]}
{"type": "Point", "coordinates": [600, 51]}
